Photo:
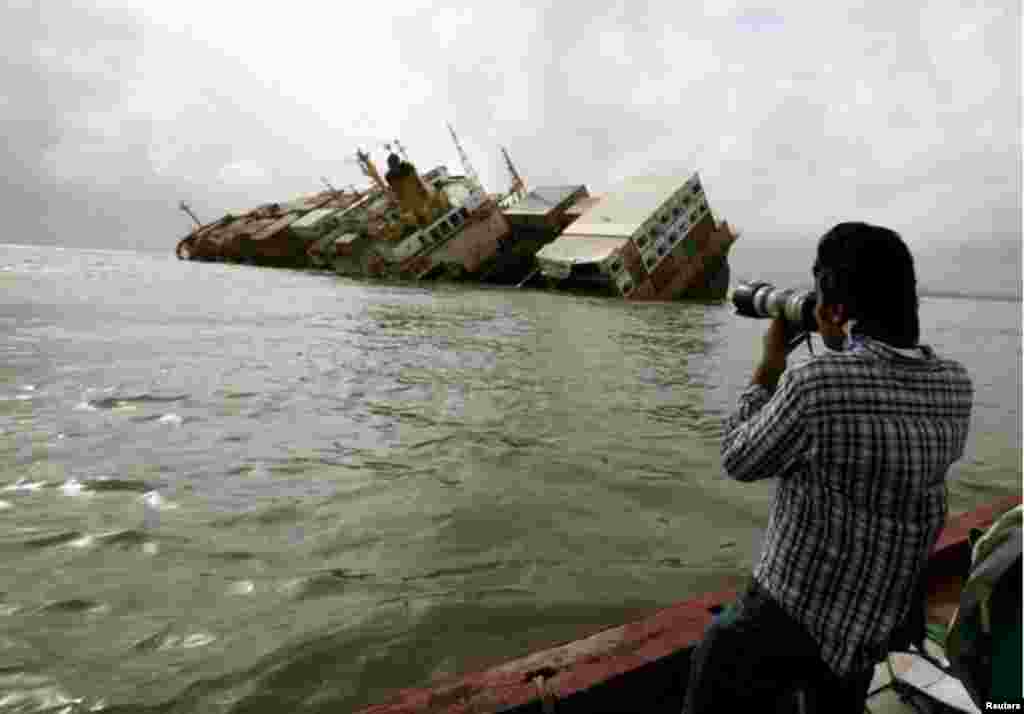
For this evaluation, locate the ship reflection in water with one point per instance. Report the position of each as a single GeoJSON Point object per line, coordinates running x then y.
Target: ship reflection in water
{"type": "Point", "coordinates": [648, 238]}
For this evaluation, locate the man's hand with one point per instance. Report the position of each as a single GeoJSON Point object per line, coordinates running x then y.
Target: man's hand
{"type": "Point", "coordinates": [773, 359]}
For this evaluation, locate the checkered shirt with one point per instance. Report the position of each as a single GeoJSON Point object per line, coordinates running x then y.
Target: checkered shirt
{"type": "Point", "coordinates": [861, 441]}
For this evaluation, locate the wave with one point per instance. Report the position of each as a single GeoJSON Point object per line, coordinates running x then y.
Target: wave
{"type": "Point", "coordinates": [323, 584]}
{"type": "Point", "coordinates": [116, 402]}
{"type": "Point", "coordinates": [74, 605]}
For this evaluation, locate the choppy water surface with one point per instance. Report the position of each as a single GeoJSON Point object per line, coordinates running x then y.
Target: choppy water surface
{"type": "Point", "coordinates": [233, 489]}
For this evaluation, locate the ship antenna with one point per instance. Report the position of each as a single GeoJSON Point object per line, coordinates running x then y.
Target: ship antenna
{"type": "Point", "coordinates": [185, 207]}
{"type": "Point", "coordinates": [466, 166]}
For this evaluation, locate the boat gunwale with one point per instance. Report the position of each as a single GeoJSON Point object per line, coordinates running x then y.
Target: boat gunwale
{"type": "Point", "coordinates": [580, 669]}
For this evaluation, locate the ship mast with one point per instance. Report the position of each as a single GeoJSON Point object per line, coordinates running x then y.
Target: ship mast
{"type": "Point", "coordinates": [466, 166]}
{"type": "Point", "coordinates": [518, 184]}
{"type": "Point", "coordinates": [370, 170]}
{"type": "Point", "coordinates": [185, 207]}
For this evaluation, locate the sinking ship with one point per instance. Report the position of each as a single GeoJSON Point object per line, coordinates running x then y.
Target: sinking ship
{"type": "Point", "coordinates": [648, 238]}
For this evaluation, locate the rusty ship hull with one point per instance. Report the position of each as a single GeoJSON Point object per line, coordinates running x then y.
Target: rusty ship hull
{"type": "Point", "coordinates": [353, 234]}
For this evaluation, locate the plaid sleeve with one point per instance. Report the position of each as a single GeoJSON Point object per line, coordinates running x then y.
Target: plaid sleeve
{"type": "Point", "coordinates": [766, 433]}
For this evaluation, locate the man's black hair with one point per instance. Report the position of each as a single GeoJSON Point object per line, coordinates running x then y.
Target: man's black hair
{"type": "Point", "coordinates": [870, 270]}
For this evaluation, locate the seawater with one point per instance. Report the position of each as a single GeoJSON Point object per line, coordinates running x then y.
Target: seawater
{"type": "Point", "coordinates": [234, 489]}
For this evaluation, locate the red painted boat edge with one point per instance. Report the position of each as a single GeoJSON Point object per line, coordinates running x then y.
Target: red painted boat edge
{"type": "Point", "coordinates": [560, 672]}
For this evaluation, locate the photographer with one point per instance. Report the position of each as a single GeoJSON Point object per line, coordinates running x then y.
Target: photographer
{"type": "Point", "coordinates": [860, 439]}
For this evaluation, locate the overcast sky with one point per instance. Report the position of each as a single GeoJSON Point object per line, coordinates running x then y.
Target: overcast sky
{"type": "Point", "coordinates": [796, 115]}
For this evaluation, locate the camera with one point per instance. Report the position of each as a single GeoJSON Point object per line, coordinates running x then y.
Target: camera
{"type": "Point", "coordinates": [764, 300]}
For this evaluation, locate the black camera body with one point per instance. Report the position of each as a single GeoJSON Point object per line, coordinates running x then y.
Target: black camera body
{"type": "Point", "coordinates": [763, 300]}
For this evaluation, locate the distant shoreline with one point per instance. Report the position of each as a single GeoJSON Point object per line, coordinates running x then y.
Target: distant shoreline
{"type": "Point", "coordinates": [957, 294]}
{"type": "Point", "coordinates": [969, 296]}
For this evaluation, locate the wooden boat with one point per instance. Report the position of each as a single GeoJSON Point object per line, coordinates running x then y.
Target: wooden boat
{"type": "Point", "coordinates": [643, 666]}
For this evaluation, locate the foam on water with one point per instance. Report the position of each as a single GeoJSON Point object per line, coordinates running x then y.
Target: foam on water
{"type": "Point", "coordinates": [74, 487]}
{"type": "Point", "coordinates": [23, 485]}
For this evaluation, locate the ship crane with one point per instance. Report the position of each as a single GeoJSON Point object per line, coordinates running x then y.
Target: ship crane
{"type": "Point", "coordinates": [467, 167]}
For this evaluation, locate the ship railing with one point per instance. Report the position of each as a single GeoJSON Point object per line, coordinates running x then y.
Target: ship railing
{"type": "Point", "coordinates": [512, 199]}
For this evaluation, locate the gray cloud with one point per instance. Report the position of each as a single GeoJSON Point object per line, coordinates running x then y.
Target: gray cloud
{"type": "Point", "coordinates": [797, 115]}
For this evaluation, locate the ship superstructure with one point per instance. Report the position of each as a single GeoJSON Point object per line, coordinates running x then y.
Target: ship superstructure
{"type": "Point", "coordinates": [649, 238]}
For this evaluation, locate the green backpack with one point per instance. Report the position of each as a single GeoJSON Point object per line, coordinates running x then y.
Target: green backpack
{"type": "Point", "coordinates": [984, 638]}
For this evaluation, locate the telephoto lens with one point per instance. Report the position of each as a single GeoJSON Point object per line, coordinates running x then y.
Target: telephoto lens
{"type": "Point", "coordinates": [763, 300]}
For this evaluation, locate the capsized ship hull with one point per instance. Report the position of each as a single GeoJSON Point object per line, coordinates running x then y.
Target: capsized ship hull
{"type": "Point", "coordinates": [650, 238]}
